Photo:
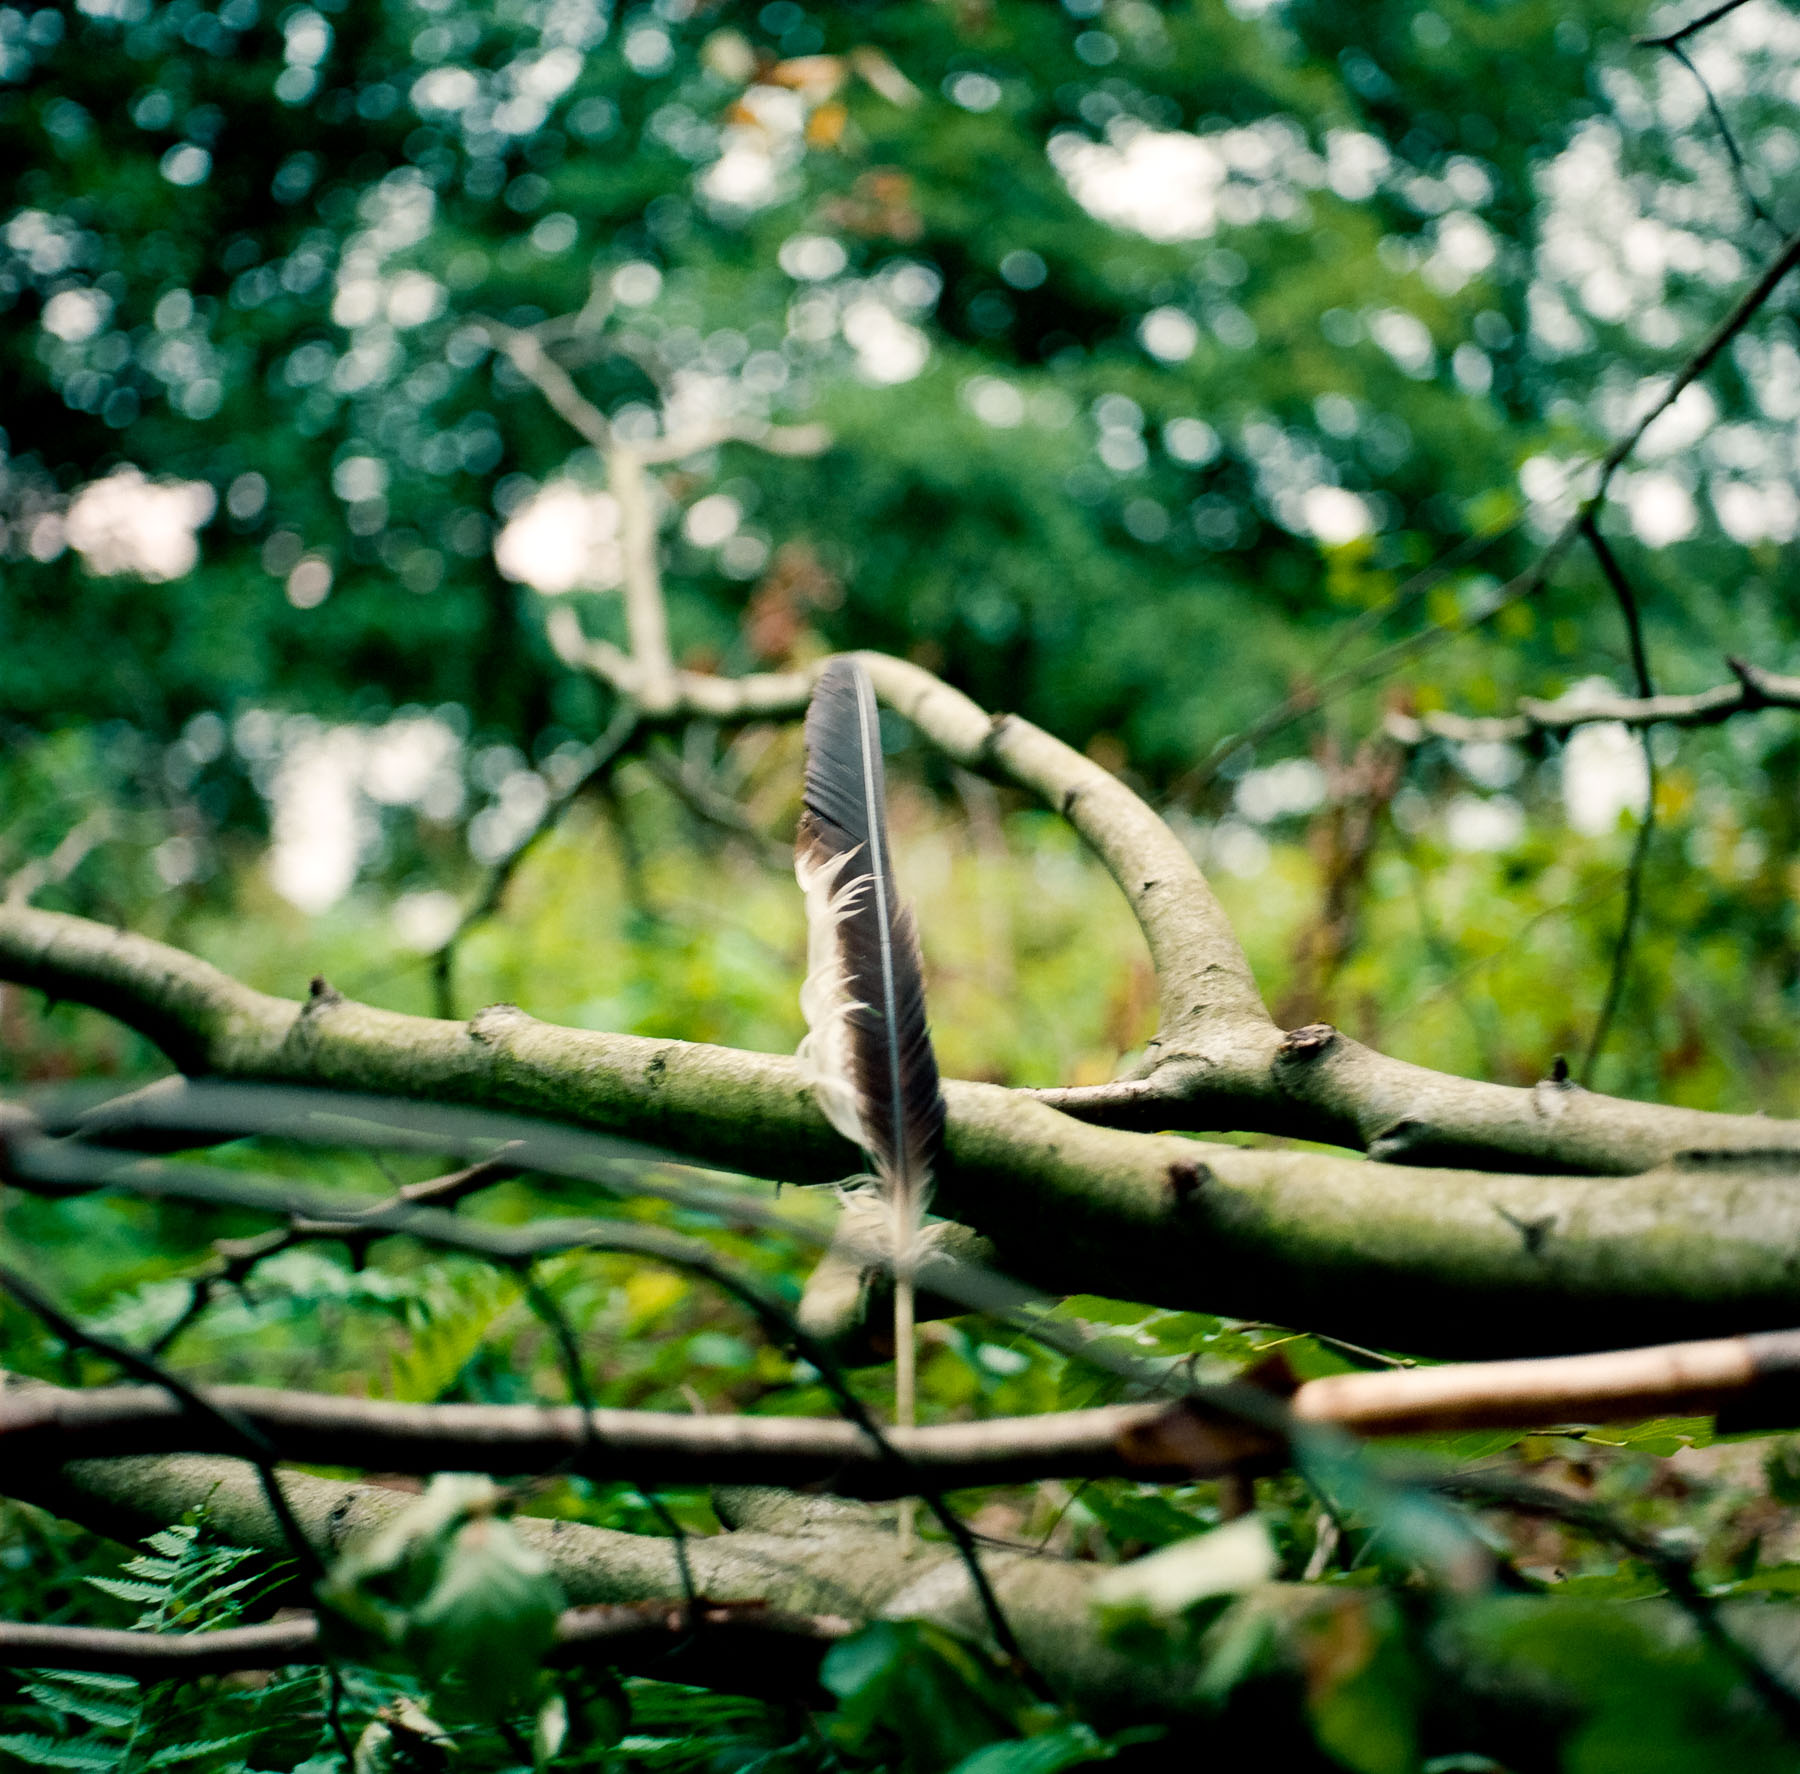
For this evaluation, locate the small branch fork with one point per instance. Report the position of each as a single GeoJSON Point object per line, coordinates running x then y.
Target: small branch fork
{"type": "Point", "coordinates": [644, 675]}
{"type": "Point", "coordinates": [1708, 706]}
{"type": "Point", "coordinates": [647, 672]}
{"type": "Point", "coordinates": [1752, 690]}
{"type": "Point", "coordinates": [1681, 33]}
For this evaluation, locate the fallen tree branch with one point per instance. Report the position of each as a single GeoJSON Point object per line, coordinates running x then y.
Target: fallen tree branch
{"type": "Point", "coordinates": [1490, 1263]}
{"type": "Point", "coordinates": [1754, 1381]}
{"type": "Point", "coordinates": [787, 1579]}
{"type": "Point", "coordinates": [820, 1560]}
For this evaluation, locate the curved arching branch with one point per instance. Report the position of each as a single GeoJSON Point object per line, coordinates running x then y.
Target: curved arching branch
{"type": "Point", "coordinates": [1203, 976]}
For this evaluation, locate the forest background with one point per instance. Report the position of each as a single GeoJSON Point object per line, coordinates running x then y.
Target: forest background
{"type": "Point", "coordinates": [1205, 383]}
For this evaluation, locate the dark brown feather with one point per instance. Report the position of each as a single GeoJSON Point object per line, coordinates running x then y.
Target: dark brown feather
{"type": "Point", "coordinates": [892, 1066]}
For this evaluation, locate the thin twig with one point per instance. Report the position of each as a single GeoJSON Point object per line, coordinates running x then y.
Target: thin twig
{"type": "Point", "coordinates": [1673, 1569]}
{"type": "Point", "coordinates": [596, 761]}
{"type": "Point", "coordinates": [71, 850]}
{"type": "Point", "coordinates": [1739, 170]}
{"type": "Point", "coordinates": [1640, 849]}
{"type": "Point", "coordinates": [1752, 690]}
{"type": "Point", "coordinates": [238, 1258]}
{"type": "Point", "coordinates": [568, 1350]}
{"type": "Point", "coordinates": [1334, 688]}
{"type": "Point", "coordinates": [708, 804]}
{"type": "Point", "coordinates": [1670, 38]}
{"type": "Point", "coordinates": [245, 1437]}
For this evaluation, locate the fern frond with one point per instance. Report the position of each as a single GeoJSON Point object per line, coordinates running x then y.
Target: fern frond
{"type": "Point", "coordinates": [92, 1755]}
{"type": "Point", "coordinates": [129, 1590]}
{"type": "Point", "coordinates": [448, 1332]}
{"type": "Point", "coordinates": [176, 1753]}
{"type": "Point", "coordinates": [110, 1715]}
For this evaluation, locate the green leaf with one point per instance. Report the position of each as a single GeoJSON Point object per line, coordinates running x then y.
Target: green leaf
{"type": "Point", "coordinates": [1661, 1436]}
{"type": "Point", "coordinates": [1129, 1512]}
{"type": "Point", "coordinates": [1070, 1747]}
{"type": "Point", "coordinates": [1164, 1584]}
{"type": "Point", "coordinates": [912, 1693]}
{"type": "Point", "coordinates": [175, 1754]}
{"type": "Point", "coordinates": [126, 1590]}
{"type": "Point", "coordinates": [82, 1706]}
{"type": "Point", "coordinates": [1363, 1686]}
{"type": "Point", "coordinates": [488, 1619]}
{"type": "Point", "coordinates": [1645, 1695]}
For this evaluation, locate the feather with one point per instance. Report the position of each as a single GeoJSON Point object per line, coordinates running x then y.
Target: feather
{"type": "Point", "coordinates": [867, 1052]}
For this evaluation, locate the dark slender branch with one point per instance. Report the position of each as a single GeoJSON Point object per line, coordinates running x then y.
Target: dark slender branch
{"type": "Point", "coordinates": [1620, 969]}
{"type": "Point", "coordinates": [1740, 171]}
{"type": "Point", "coordinates": [621, 1632]}
{"type": "Point", "coordinates": [243, 1437]}
{"type": "Point", "coordinates": [596, 762]}
{"type": "Point", "coordinates": [1743, 311]}
{"type": "Point", "coordinates": [1626, 598]}
{"type": "Point", "coordinates": [568, 1350]}
{"type": "Point", "coordinates": [1673, 1569]}
{"type": "Point", "coordinates": [1334, 687]}
{"type": "Point", "coordinates": [1670, 38]}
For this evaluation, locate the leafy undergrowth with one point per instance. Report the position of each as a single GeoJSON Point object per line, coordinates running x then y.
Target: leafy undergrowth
{"type": "Point", "coordinates": [1348, 1647]}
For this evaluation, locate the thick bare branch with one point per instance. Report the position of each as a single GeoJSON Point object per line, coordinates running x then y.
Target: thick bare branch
{"type": "Point", "coordinates": [49, 1426]}
{"type": "Point", "coordinates": [812, 1558]}
{"type": "Point", "coordinates": [1479, 1263]}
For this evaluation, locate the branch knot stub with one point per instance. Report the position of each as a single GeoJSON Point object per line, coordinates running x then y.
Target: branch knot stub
{"type": "Point", "coordinates": [1186, 1179]}
{"type": "Point", "coordinates": [489, 1024]}
{"type": "Point", "coordinates": [1393, 1143]}
{"type": "Point", "coordinates": [1306, 1043]}
{"type": "Point", "coordinates": [321, 994]}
